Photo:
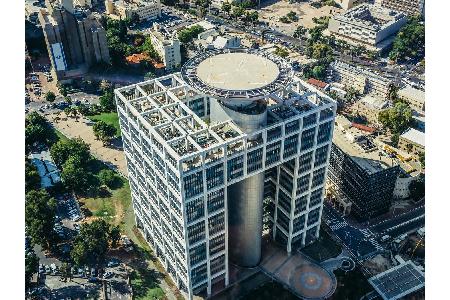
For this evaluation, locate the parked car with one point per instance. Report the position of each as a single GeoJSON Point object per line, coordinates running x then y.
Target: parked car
{"type": "Point", "coordinates": [93, 272]}
{"type": "Point", "coordinates": [107, 275]}
{"type": "Point", "coordinates": [94, 280]}
{"type": "Point", "coordinates": [113, 263]}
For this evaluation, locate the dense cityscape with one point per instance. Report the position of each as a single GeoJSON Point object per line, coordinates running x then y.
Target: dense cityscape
{"type": "Point", "coordinates": [218, 149]}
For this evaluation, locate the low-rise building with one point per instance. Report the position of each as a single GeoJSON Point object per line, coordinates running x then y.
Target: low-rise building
{"type": "Point", "coordinates": [412, 141]}
{"type": "Point", "coordinates": [363, 80]}
{"type": "Point", "coordinates": [212, 39]}
{"type": "Point", "coordinates": [360, 173]}
{"type": "Point", "coordinates": [408, 7]}
{"type": "Point", "coordinates": [369, 107]}
{"type": "Point", "coordinates": [167, 46]}
{"type": "Point", "coordinates": [143, 9]}
{"type": "Point", "coordinates": [373, 27]}
{"type": "Point", "coordinates": [415, 98]}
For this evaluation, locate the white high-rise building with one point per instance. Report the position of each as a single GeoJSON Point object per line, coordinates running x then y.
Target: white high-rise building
{"type": "Point", "coordinates": [209, 147]}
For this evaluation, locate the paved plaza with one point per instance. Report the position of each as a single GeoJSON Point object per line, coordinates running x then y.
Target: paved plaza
{"type": "Point", "coordinates": [306, 279]}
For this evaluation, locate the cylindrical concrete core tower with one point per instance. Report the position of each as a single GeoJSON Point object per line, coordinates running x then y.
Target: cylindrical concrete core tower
{"type": "Point", "coordinates": [238, 83]}
{"type": "Point", "coordinates": [244, 197]}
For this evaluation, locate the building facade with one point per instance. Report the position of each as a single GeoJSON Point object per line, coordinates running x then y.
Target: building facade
{"type": "Point", "coordinates": [412, 141]}
{"type": "Point", "coordinates": [75, 39]}
{"type": "Point", "coordinates": [204, 157]}
{"type": "Point", "coordinates": [360, 174]}
{"type": "Point", "coordinates": [408, 7]}
{"type": "Point", "coordinates": [373, 27]}
{"type": "Point", "coordinates": [362, 80]}
{"type": "Point", "coordinates": [168, 48]}
{"type": "Point", "coordinates": [143, 9]}
{"type": "Point", "coordinates": [415, 98]}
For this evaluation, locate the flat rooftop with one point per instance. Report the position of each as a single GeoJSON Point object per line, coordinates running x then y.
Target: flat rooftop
{"type": "Point", "coordinates": [412, 93]}
{"type": "Point", "coordinates": [237, 71]}
{"type": "Point", "coordinates": [243, 74]}
{"type": "Point", "coordinates": [415, 136]}
{"type": "Point", "coordinates": [362, 150]}
{"type": "Point", "coordinates": [398, 281]}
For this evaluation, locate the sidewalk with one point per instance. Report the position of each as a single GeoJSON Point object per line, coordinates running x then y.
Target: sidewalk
{"type": "Point", "coordinates": [73, 129]}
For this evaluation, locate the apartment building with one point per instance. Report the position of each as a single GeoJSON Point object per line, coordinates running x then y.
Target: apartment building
{"type": "Point", "coordinates": [369, 108]}
{"type": "Point", "coordinates": [373, 27]}
{"type": "Point", "coordinates": [211, 152]}
{"type": "Point", "coordinates": [408, 7]}
{"type": "Point", "coordinates": [412, 141]}
{"type": "Point", "coordinates": [167, 46]}
{"type": "Point", "coordinates": [144, 9]}
{"type": "Point", "coordinates": [361, 79]}
{"type": "Point", "coordinates": [360, 173]}
{"type": "Point", "coordinates": [75, 39]}
{"type": "Point", "coordinates": [415, 98]}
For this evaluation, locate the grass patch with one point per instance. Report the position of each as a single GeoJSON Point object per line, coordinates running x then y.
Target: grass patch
{"type": "Point", "coordinates": [111, 207]}
{"type": "Point", "coordinates": [61, 137]}
{"type": "Point", "coordinates": [145, 283]}
{"type": "Point", "coordinates": [109, 118]}
{"type": "Point", "coordinates": [351, 285]}
{"type": "Point", "coordinates": [323, 248]}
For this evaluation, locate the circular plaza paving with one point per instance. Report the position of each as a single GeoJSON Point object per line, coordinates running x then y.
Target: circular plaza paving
{"type": "Point", "coordinates": [312, 282]}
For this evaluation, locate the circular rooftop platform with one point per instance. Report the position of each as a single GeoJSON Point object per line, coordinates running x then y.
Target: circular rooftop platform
{"type": "Point", "coordinates": [241, 74]}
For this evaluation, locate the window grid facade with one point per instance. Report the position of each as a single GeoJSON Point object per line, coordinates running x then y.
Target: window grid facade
{"type": "Point", "coordinates": [179, 185]}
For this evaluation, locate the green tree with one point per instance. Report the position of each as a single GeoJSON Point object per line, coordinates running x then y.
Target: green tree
{"type": "Point", "coordinates": [62, 150]}
{"type": "Point", "coordinates": [107, 101]}
{"type": "Point", "coordinates": [282, 52]}
{"type": "Point", "coordinates": [78, 178]}
{"type": "Point", "coordinates": [114, 236]}
{"type": "Point", "coordinates": [292, 16]}
{"type": "Point", "coordinates": [409, 42]}
{"type": "Point", "coordinates": [65, 272]}
{"type": "Point", "coordinates": [108, 178]}
{"type": "Point", "coordinates": [31, 266]}
{"type": "Point", "coordinates": [319, 72]}
{"type": "Point", "coordinates": [188, 34]}
{"type": "Point", "coordinates": [300, 31]}
{"type": "Point", "coordinates": [397, 118]}
{"type": "Point", "coordinates": [50, 96]}
{"type": "Point", "coordinates": [91, 244]}
{"type": "Point", "coordinates": [237, 12]}
{"type": "Point", "coordinates": [32, 178]}
{"type": "Point", "coordinates": [226, 7]}
{"type": "Point", "coordinates": [38, 130]}
{"type": "Point", "coordinates": [104, 132]}
{"type": "Point", "coordinates": [40, 211]}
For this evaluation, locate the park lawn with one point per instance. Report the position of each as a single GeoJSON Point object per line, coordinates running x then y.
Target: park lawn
{"type": "Point", "coordinates": [61, 137]}
{"type": "Point", "coordinates": [145, 284]}
{"type": "Point", "coordinates": [109, 118]}
{"type": "Point", "coordinates": [112, 207]}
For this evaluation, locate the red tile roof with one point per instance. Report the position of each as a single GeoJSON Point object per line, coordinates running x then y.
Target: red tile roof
{"type": "Point", "coordinates": [364, 127]}
{"type": "Point", "coordinates": [316, 82]}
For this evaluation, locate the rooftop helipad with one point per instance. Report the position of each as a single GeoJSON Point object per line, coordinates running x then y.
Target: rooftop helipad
{"type": "Point", "coordinates": [237, 74]}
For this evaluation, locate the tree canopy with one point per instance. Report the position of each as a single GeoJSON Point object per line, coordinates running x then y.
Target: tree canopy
{"type": "Point", "coordinates": [31, 266]}
{"type": "Point", "coordinates": [38, 130]}
{"type": "Point", "coordinates": [32, 178]}
{"type": "Point", "coordinates": [63, 149]}
{"type": "Point", "coordinates": [92, 243]}
{"type": "Point", "coordinates": [107, 101]}
{"type": "Point", "coordinates": [397, 118]}
{"type": "Point", "coordinates": [104, 131]}
{"type": "Point", "coordinates": [188, 34]}
{"type": "Point", "coordinates": [409, 42]}
{"type": "Point", "coordinates": [50, 96]}
{"type": "Point", "coordinates": [40, 211]}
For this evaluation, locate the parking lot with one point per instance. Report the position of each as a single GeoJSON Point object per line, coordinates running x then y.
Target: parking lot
{"type": "Point", "coordinates": [272, 11]}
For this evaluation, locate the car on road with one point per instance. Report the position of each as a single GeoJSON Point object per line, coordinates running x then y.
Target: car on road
{"type": "Point", "coordinates": [47, 269]}
{"type": "Point", "coordinates": [107, 275]}
{"type": "Point", "coordinates": [94, 280]}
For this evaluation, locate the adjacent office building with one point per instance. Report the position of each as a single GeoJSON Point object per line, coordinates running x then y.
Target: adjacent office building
{"type": "Point", "coordinates": [408, 7]}
{"type": "Point", "coordinates": [412, 141]}
{"type": "Point", "coordinates": [75, 39]}
{"type": "Point", "coordinates": [360, 173]}
{"type": "Point", "coordinates": [167, 46]}
{"type": "Point", "coordinates": [208, 147]}
{"type": "Point", "coordinates": [143, 9]}
{"type": "Point", "coordinates": [361, 79]}
{"type": "Point", "coordinates": [371, 26]}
